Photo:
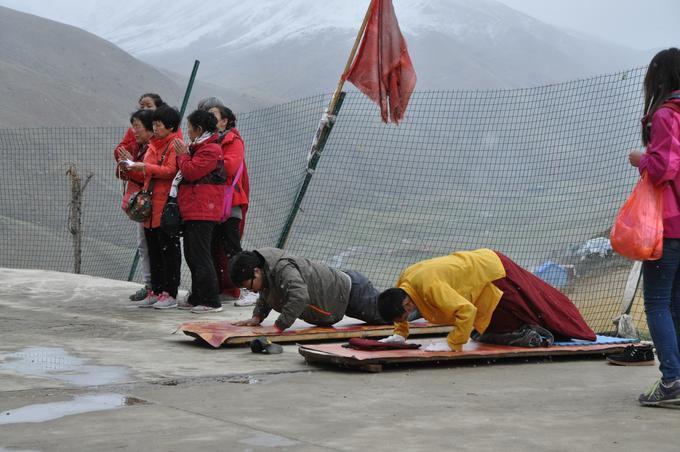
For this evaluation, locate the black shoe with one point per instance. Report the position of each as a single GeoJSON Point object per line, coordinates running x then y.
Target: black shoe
{"type": "Point", "coordinates": [633, 355]}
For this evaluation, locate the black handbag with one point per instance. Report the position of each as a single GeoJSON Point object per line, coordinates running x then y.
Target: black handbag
{"type": "Point", "coordinates": [171, 220]}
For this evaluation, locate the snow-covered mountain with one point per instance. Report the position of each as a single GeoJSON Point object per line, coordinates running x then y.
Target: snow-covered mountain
{"type": "Point", "coordinates": [282, 50]}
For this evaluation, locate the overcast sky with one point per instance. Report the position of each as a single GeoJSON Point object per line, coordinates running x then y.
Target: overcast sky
{"type": "Point", "coordinates": [642, 24]}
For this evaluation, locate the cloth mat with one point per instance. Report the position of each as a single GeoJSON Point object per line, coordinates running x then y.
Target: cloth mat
{"type": "Point", "coordinates": [598, 341]}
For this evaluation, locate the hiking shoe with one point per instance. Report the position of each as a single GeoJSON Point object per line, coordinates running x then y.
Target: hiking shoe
{"type": "Point", "coordinates": [633, 355]}
{"type": "Point", "coordinates": [247, 299]}
{"type": "Point", "coordinates": [148, 301]}
{"type": "Point", "coordinates": [660, 394]}
{"type": "Point", "coordinates": [140, 294]}
{"type": "Point", "coordinates": [203, 309]}
{"type": "Point", "coordinates": [165, 301]}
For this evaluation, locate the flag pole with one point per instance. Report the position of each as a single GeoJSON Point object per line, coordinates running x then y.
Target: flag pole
{"type": "Point", "coordinates": [323, 131]}
{"type": "Point", "coordinates": [352, 54]}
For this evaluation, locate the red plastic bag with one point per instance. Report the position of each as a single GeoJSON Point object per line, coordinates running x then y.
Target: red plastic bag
{"type": "Point", "coordinates": [638, 230]}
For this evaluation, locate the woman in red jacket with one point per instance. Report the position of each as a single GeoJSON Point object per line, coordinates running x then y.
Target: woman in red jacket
{"type": "Point", "coordinates": [129, 148]}
{"type": "Point", "coordinates": [661, 161]}
{"type": "Point", "coordinates": [227, 234]}
{"type": "Point", "coordinates": [159, 169]}
{"type": "Point", "coordinates": [201, 202]}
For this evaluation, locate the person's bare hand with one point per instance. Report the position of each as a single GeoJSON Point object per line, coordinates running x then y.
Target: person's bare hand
{"type": "Point", "coordinates": [634, 158]}
{"type": "Point", "coordinates": [179, 147]}
{"type": "Point", "coordinates": [123, 154]}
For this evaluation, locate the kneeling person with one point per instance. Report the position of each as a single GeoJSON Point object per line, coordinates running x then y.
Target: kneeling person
{"type": "Point", "coordinates": [299, 288]}
{"type": "Point", "coordinates": [480, 289]}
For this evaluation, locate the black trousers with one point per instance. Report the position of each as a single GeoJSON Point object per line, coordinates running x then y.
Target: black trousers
{"type": "Point", "coordinates": [197, 252]}
{"type": "Point", "coordinates": [363, 300]}
{"type": "Point", "coordinates": [165, 259]}
{"type": "Point", "coordinates": [226, 242]}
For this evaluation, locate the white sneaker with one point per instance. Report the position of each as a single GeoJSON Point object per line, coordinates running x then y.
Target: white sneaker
{"type": "Point", "coordinates": [248, 298]}
{"type": "Point", "coordinates": [202, 309]}
{"type": "Point", "coordinates": [165, 301]}
{"type": "Point", "coordinates": [149, 301]}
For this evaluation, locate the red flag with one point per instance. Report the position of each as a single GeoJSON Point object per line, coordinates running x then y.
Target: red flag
{"type": "Point", "coordinates": [382, 68]}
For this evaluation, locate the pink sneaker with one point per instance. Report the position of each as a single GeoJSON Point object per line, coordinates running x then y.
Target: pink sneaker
{"type": "Point", "coordinates": [165, 301]}
{"type": "Point", "coordinates": [149, 301]}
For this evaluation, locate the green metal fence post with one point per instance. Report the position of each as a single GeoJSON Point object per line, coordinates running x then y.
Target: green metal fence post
{"type": "Point", "coordinates": [323, 134]}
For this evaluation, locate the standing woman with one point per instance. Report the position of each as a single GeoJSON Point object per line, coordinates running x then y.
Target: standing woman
{"type": "Point", "coordinates": [661, 136]}
{"type": "Point", "coordinates": [227, 235]}
{"type": "Point", "coordinates": [129, 148]}
{"type": "Point", "coordinates": [201, 200]}
{"type": "Point", "coordinates": [159, 167]}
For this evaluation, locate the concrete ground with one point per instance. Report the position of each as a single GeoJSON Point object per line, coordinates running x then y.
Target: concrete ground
{"type": "Point", "coordinates": [80, 370]}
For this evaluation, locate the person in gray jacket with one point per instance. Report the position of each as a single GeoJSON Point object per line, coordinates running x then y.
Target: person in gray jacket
{"type": "Point", "coordinates": [299, 288]}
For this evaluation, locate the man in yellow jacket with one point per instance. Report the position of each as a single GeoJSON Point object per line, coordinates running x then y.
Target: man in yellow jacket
{"type": "Point", "coordinates": [480, 289]}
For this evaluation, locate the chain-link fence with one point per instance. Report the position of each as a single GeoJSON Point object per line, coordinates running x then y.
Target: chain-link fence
{"type": "Point", "coordinates": [537, 174]}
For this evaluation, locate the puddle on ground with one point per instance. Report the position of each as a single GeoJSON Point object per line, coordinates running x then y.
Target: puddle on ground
{"type": "Point", "coordinates": [56, 363]}
{"type": "Point", "coordinates": [87, 403]}
{"type": "Point", "coordinates": [268, 440]}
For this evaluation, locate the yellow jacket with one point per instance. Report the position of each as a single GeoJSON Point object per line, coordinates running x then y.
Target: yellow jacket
{"type": "Point", "coordinates": [454, 290]}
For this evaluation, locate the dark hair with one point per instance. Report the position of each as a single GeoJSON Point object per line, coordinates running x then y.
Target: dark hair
{"type": "Point", "coordinates": [243, 265]}
{"type": "Point", "coordinates": [208, 103]}
{"type": "Point", "coordinates": [157, 101]}
{"type": "Point", "coordinates": [662, 78]}
{"type": "Point", "coordinates": [226, 113]}
{"type": "Point", "coordinates": [390, 304]}
{"type": "Point", "coordinates": [206, 121]}
{"type": "Point", "coordinates": [168, 116]}
{"type": "Point", "coordinates": [145, 117]}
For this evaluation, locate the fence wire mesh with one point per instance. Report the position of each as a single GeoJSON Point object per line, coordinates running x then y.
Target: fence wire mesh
{"type": "Point", "coordinates": [537, 174]}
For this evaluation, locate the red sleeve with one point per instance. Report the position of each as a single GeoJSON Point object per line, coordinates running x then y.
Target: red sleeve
{"type": "Point", "coordinates": [662, 158]}
{"type": "Point", "coordinates": [202, 163]}
{"type": "Point", "coordinates": [128, 142]}
{"type": "Point", "coordinates": [165, 171]}
{"type": "Point", "coordinates": [233, 152]}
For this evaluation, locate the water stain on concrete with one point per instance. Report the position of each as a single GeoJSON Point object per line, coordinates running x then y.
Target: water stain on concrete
{"type": "Point", "coordinates": [56, 363]}
{"type": "Point", "coordinates": [268, 440]}
{"type": "Point", "coordinates": [87, 403]}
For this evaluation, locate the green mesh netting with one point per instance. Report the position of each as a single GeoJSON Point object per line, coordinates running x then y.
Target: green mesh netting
{"type": "Point", "coordinates": [537, 174]}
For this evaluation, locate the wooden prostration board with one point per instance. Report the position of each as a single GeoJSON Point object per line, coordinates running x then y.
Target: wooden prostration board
{"type": "Point", "coordinates": [372, 361]}
{"type": "Point", "coordinates": [224, 333]}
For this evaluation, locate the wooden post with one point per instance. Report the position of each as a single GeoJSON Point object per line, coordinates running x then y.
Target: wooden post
{"type": "Point", "coordinates": [75, 214]}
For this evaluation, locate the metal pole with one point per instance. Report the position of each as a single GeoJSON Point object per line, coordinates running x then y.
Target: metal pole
{"type": "Point", "coordinates": [185, 101]}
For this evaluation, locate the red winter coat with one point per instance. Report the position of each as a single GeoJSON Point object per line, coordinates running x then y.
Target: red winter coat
{"type": "Point", "coordinates": [662, 163]}
{"type": "Point", "coordinates": [162, 174]}
{"type": "Point", "coordinates": [234, 153]}
{"type": "Point", "coordinates": [201, 193]}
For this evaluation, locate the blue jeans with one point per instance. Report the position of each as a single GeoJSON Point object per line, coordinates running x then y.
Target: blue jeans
{"type": "Point", "coordinates": [662, 306]}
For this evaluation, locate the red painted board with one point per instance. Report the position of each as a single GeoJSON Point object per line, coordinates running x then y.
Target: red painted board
{"type": "Point", "coordinates": [220, 333]}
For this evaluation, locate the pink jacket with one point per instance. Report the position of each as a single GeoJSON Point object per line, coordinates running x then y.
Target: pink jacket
{"type": "Point", "coordinates": [662, 163]}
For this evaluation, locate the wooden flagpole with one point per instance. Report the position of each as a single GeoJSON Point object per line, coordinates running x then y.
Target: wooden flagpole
{"type": "Point", "coordinates": [323, 131]}
{"type": "Point", "coordinates": [352, 54]}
